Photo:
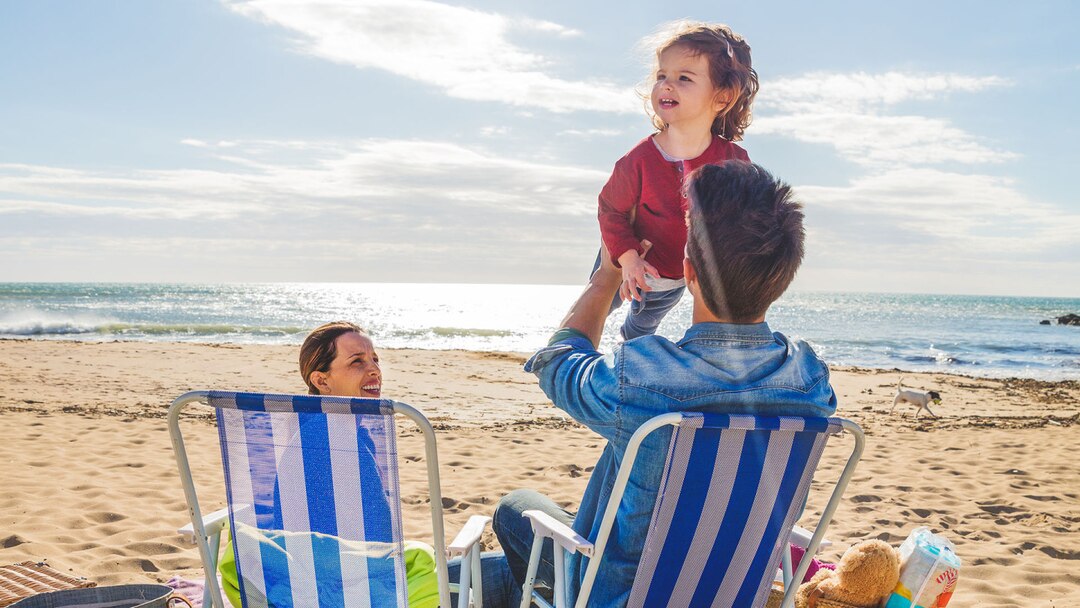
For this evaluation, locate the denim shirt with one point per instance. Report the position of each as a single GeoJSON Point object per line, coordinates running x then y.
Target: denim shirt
{"type": "Point", "coordinates": [715, 367]}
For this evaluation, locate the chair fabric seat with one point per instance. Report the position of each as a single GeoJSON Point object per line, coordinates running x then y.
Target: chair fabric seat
{"type": "Point", "coordinates": [314, 504]}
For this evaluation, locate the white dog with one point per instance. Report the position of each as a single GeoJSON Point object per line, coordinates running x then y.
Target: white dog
{"type": "Point", "coordinates": [917, 398]}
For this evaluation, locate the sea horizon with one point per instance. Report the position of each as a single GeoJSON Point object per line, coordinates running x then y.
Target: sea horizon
{"type": "Point", "coordinates": [792, 290]}
{"type": "Point", "coordinates": [979, 335]}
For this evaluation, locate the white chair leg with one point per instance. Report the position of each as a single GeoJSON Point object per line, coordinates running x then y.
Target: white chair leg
{"type": "Point", "coordinates": [785, 563]}
{"type": "Point", "coordinates": [530, 576]}
{"type": "Point", "coordinates": [464, 573]}
{"type": "Point", "coordinates": [560, 596]}
{"type": "Point", "coordinates": [477, 577]}
{"type": "Point", "coordinates": [214, 541]}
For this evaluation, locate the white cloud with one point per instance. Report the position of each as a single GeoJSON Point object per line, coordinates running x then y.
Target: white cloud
{"type": "Point", "coordinates": [590, 133]}
{"type": "Point", "coordinates": [909, 211]}
{"type": "Point", "coordinates": [267, 178]}
{"type": "Point", "coordinates": [875, 140]}
{"type": "Point", "coordinates": [493, 130]}
{"type": "Point", "coordinates": [858, 91]}
{"type": "Point", "coordinates": [925, 210]}
{"type": "Point", "coordinates": [851, 112]}
{"type": "Point", "coordinates": [467, 53]}
{"type": "Point", "coordinates": [548, 27]}
{"type": "Point", "coordinates": [371, 209]}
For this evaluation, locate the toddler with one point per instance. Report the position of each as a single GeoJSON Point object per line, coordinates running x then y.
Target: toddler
{"type": "Point", "coordinates": [703, 87]}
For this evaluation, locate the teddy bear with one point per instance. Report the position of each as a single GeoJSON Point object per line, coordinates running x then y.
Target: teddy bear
{"type": "Point", "coordinates": [867, 573]}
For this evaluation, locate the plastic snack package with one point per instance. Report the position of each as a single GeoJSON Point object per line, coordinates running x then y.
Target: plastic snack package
{"type": "Point", "coordinates": [929, 568]}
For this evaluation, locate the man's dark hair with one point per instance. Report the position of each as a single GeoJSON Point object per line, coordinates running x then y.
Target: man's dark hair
{"type": "Point", "coordinates": [745, 238]}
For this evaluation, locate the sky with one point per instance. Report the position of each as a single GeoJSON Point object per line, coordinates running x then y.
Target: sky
{"type": "Point", "coordinates": [931, 143]}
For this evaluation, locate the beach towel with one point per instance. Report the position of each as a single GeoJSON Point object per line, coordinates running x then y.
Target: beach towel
{"type": "Point", "coordinates": [420, 577]}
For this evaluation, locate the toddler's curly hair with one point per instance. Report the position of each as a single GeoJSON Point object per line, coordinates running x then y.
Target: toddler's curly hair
{"type": "Point", "coordinates": [730, 69]}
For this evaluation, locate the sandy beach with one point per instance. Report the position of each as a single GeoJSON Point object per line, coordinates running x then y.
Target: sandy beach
{"type": "Point", "coordinates": [90, 484]}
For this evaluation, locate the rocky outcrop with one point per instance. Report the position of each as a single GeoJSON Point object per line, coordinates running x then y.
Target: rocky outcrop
{"type": "Point", "coordinates": [1069, 319]}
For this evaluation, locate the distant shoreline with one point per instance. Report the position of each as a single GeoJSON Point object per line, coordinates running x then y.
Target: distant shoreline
{"type": "Point", "coordinates": [523, 355]}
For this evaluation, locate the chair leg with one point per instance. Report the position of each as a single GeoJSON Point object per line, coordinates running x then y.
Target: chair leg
{"type": "Point", "coordinates": [560, 596]}
{"type": "Point", "coordinates": [214, 541]}
{"type": "Point", "coordinates": [530, 576]}
{"type": "Point", "coordinates": [478, 579]}
{"type": "Point", "coordinates": [785, 562]}
{"type": "Point", "coordinates": [464, 573]}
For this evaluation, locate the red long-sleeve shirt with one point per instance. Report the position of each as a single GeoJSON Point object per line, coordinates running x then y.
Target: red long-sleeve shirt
{"type": "Point", "coordinates": [644, 180]}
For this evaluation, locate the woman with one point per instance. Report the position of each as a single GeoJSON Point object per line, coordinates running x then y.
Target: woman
{"type": "Point", "coordinates": [339, 359]}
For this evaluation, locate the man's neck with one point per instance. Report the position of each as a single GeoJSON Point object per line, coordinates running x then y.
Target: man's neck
{"type": "Point", "coordinates": [702, 314]}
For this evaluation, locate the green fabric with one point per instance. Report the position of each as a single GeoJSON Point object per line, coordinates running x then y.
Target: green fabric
{"type": "Point", "coordinates": [230, 583]}
{"type": "Point", "coordinates": [420, 576]}
{"type": "Point", "coordinates": [564, 333]}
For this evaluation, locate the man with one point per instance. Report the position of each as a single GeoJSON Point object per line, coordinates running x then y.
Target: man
{"type": "Point", "coordinates": [744, 246]}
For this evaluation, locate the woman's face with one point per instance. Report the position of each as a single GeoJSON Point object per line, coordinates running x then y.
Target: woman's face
{"type": "Point", "coordinates": [354, 372]}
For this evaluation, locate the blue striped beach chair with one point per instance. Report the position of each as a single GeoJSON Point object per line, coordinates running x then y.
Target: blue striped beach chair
{"type": "Point", "coordinates": [733, 487]}
{"type": "Point", "coordinates": [313, 502]}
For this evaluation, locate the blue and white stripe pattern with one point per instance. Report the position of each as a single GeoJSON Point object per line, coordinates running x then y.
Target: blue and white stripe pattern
{"type": "Point", "coordinates": [314, 503]}
{"type": "Point", "coordinates": [732, 488]}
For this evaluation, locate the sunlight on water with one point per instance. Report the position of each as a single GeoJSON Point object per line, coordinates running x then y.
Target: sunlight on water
{"type": "Point", "coordinates": [985, 336]}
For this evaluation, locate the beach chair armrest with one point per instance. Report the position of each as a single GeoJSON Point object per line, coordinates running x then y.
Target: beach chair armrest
{"type": "Point", "coordinates": [214, 523]}
{"type": "Point", "coordinates": [469, 536]}
{"type": "Point", "coordinates": [561, 534]}
{"type": "Point", "coordinates": [800, 537]}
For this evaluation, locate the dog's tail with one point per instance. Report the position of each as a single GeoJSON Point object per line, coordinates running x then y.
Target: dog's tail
{"type": "Point", "coordinates": [900, 383]}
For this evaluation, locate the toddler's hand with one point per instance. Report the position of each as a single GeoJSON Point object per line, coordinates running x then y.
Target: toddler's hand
{"type": "Point", "coordinates": [634, 269]}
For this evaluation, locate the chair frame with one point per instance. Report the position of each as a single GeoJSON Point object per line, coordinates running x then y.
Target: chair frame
{"type": "Point", "coordinates": [206, 532]}
{"type": "Point", "coordinates": [567, 539]}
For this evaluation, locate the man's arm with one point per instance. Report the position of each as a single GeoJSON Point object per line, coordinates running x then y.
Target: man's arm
{"type": "Point", "coordinates": [588, 315]}
{"type": "Point", "coordinates": [572, 373]}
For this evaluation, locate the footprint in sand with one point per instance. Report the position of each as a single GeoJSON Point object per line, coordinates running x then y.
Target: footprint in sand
{"type": "Point", "coordinates": [1060, 554]}
{"type": "Point", "coordinates": [453, 505]}
{"type": "Point", "coordinates": [105, 517]}
{"type": "Point", "coordinates": [145, 565]}
{"type": "Point", "coordinates": [996, 509]}
{"type": "Point", "coordinates": [153, 548]}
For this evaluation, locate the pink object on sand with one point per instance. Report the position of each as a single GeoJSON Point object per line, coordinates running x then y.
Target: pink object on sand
{"type": "Point", "coordinates": [815, 563]}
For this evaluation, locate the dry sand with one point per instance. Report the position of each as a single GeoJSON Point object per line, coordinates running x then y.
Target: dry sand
{"type": "Point", "coordinates": [88, 482]}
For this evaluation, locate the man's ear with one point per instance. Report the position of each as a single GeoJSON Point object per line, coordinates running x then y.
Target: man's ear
{"type": "Point", "coordinates": [688, 271]}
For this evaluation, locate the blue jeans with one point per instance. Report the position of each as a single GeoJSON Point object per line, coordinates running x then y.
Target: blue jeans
{"type": "Point", "coordinates": [504, 573]}
{"type": "Point", "coordinates": [645, 315]}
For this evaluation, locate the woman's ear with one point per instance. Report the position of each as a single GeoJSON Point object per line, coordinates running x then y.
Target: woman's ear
{"type": "Point", "coordinates": [319, 380]}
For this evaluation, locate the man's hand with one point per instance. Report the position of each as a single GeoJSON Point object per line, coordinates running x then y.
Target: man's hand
{"type": "Point", "coordinates": [634, 269]}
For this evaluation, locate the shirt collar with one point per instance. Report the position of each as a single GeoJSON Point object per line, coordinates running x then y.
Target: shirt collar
{"type": "Point", "coordinates": [754, 331]}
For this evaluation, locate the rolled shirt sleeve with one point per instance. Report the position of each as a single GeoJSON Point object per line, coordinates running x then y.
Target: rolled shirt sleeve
{"type": "Point", "coordinates": [579, 380]}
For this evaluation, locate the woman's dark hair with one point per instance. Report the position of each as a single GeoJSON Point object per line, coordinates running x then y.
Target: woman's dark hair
{"type": "Point", "coordinates": [319, 349]}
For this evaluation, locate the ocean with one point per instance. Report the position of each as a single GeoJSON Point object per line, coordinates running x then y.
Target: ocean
{"type": "Point", "coordinates": [975, 335]}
